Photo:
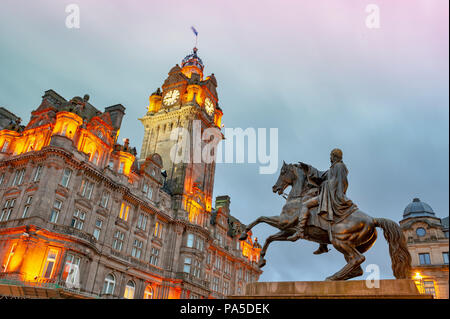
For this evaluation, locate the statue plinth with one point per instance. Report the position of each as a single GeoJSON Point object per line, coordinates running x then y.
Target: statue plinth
{"type": "Point", "coordinates": [353, 289]}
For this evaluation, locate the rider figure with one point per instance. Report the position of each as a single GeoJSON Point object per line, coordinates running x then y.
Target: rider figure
{"type": "Point", "coordinates": [332, 200]}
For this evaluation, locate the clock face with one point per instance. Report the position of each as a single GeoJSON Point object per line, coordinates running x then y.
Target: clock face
{"type": "Point", "coordinates": [209, 106]}
{"type": "Point", "coordinates": [171, 97]}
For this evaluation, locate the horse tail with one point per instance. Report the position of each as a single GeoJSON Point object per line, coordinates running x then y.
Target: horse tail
{"type": "Point", "coordinates": [400, 257]}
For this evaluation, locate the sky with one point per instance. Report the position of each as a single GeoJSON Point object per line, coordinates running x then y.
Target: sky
{"type": "Point", "coordinates": [312, 69]}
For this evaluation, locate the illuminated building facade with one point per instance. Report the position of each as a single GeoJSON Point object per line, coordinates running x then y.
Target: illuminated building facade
{"type": "Point", "coordinates": [428, 244]}
{"type": "Point", "coordinates": [82, 217]}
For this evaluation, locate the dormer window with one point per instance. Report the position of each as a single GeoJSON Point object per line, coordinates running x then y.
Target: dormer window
{"type": "Point", "coordinates": [121, 167]}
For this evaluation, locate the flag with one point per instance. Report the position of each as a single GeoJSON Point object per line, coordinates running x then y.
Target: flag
{"type": "Point", "coordinates": [195, 31]}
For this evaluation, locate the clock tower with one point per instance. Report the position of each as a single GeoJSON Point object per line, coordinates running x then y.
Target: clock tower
{"type": "Point", "coordinates": [186, 100]}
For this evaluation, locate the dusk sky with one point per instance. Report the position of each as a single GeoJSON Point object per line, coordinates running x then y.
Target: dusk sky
{"type": "Point", "coordinates": [312, 69]}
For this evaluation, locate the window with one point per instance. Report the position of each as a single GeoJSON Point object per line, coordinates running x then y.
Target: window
{"type": "Point", "coordinates": [142, 221]}
{"type": "Point", "coordinates": [78, 219]}
{"type": "Point", "coordinates": [200, 244]}
{"type": "Point", "coordinates": [158, 230]}
{"type": "Point", "coordinates": [428, 286]}
{"type": "Point", "coordinates": [137, 249]}
{"type": "Point", "coordinates": [2, 178]}
{"type": "Point", "coordinates": [208, 258]}
{"type": "Point", "coordinates": [71, 271]}
{"type": "Point", "coordinates": [10, 255]}
{"type": "Point", "coordinates": [50, 263]}
{"type": "Point", "coordinates": [108, 286]}
{"type": "Point", "coordinates": [445, 257]}
{"type": "Point", "coordinates": [445, 233]}
{"type": "Point", "coordinates": [421, 232]}
{"type": "Point", "coordinates": [226, 287]}
{"type": "Point", "coordinates": [424, 259]}
{"type": "Point", "coordinates": [37, 174]}
{"type": "Point", "coordinates": [86, 189]}
{"type": "Point", "coordinates": [218, 264]}
{"type": "Point", "coordinates": [55, 211]}
{"type": "Point", "coordinates": [240, 273]}
{"type": "Point", "coordinates": [105, 199]}
{"type": "Point", "coordinates": [215, 285]}
{"type": "Point", "coordinates": [129, 290]}
{"type": "Point", "coordinates": [95, 158]}
{"type": "Point", "coordinates": [187, 265]}
{"type": "Point", "coordinates": [98, 228]}
{"type": "Point", "coordinates": [227, 267]}
{"type": "Point", "coordinates": [154, 257]}
{"type": "Point", "coordinates": [148, 191]}
{"type": "Point", "coordinates": [121, 166]}
{"type": "Point", "coordinates": [197, 269]}
{"type": "Point", "coordinates": [118, 240]}
{"type": "Point", "coordinates": [26, 208]}
{"type": "Point", "coordinates": [111, 164]}
{"type": "Point", "coordinates": [148, 293]}
{"type": "Point", "coordinates": [190, 240]}
{"type": "Point", "coordinates": [18, 177]}
{"type": "Point", "coordinates": [124, 211]}
{"type": "Point", "coordinates": [5, 146]}
{"type": "Point", "coordinates": [66, 177]}
{"type": "Point", "coordinates": [7, 209]}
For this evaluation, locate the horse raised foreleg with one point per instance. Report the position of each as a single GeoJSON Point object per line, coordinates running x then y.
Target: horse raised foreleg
{"type": "Point", "coordinates": [282, 235]}
{"type": "Point", "coordinates": [272, 221]}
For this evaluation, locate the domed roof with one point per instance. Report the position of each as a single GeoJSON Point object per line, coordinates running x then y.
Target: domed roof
{"type": "Point", "coordinates": [193, 59]}
{"type": "Point", "coordinates": [418, 209]}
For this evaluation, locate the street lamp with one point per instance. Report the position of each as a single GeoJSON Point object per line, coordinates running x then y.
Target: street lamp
{"type": "Point", "coordinates": [418, 279]}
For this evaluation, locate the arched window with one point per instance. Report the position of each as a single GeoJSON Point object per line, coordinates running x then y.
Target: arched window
{"type": "Point", "coordinates": [129, 290]}
{"type": "Point", "coordinates": [148, 293]}
{"type": "Point", "coordinates": [110, 283]}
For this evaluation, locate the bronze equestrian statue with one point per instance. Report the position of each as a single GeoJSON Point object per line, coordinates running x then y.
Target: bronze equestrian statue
{"type": "Point", "coordinates": [317, 209]}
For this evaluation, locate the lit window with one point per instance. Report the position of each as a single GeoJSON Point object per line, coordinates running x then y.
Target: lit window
{"type": "Point", "coordinates": [37, 174]}
{"type": "Point", "coordinates": [86, 188]}
{"type": "Point", "coordinates": [187, 265]}
{"type": "Point", "coordinates": [129, 290]}
{"type": "Point", "coordinates": [105, 199]}
{"type": "Point", "coordinates": [190, 240]}
{"type": "Point", "coordinates": [424, 259]}
{"type": "Point", "coordinates": [109, 284]}
{"type": "Point", "coordinates": [55, 211]}
{"type": "Point", "coordinates": [445, 257]}
{"type": "Point", "coordinates": [97, 229]}
{"type": "Point", "coordinates": [26, 208]}
{"type": "Point", "coordinates": [158, 230]}
{"type": "Point", "coordinates": [154, 257]}
{"type": "Point", "coordinates": [66, 177]}
{"type": "Point", "coordinates": [7, 209]}
{"type": "Point", "coordinates": [78, 219]}
{"type": "Point", "coordinates": [50, 263]}
{"type": "Point", "coordinates": [148, 293]}
{"type": "Point", "coordinates": [118, 240]}
{"type": "Point", "coordinates": [137, 249]}
{"type": "Point", "coordinates": [428, 286]}
{"type": "Point", "coordinates": [124, 211]}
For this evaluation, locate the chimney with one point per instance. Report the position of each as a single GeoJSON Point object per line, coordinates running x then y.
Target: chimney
{"type": "Point", "coordinates": [224, 202]}
{"type": "Point", "coordinates": [116, 113]}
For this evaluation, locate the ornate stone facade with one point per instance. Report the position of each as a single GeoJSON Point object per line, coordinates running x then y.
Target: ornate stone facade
{"type": "Point", "coordinates": [427, 238]}
{"type": "Point", "coordinates": [82, 217]}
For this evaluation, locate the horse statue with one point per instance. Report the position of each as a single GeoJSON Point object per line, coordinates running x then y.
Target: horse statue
{"type": "Point", "coordinates": [352, 235]}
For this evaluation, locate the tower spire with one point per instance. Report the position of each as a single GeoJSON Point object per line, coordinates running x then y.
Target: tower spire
{"type": "Point", "coordinates": [196, 37]}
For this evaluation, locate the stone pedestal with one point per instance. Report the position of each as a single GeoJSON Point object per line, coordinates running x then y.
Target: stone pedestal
{"type": "Point", "coordinates": [353, 289]}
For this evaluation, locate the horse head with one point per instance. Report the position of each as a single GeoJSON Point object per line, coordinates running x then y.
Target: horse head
{"type": "Point", "coordinates": [287, 177]}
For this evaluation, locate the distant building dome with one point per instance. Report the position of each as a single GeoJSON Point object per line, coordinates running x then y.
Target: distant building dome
{"type": "Point", "coordinates": [193, 60]}
{"type": "Point", "coordinates": [418, 209]}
